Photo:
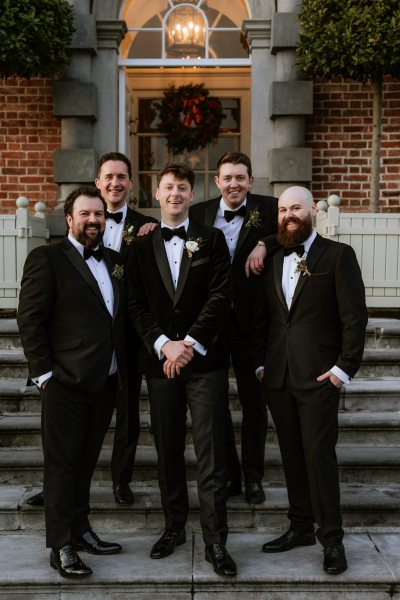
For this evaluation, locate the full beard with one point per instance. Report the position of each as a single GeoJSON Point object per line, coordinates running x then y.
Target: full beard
{"type": "Point", "coordinates": [86, 240]}
{"type": "Point", "coordinates": [293, 237]}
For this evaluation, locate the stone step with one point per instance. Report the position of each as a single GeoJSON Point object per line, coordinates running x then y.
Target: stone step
{"type": "Point", "coordinates": [363, 506]}
{"type": "Point", "coordinates": [380, 428]}
{"type": "Point", "coordinates": [380, 362]}
{"type": "Point", "coordinates": [380, 393]}
{"type": "Point", "coordinates": [373, 574]}
{"type": "Point", "coordinates": [357, 463]}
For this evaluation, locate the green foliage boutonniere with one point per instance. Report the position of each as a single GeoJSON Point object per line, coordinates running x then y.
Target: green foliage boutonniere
{"type": "Point", "coordinates": [302, 267]}
{"type": "Point", "coordinates": [118, 271]}
{"type": "Point", "coordinates": [193, 246]}
{"type": "Point", "coordinates": [128, 234]}
{"type": "Point", "coordinates": [254, 219]}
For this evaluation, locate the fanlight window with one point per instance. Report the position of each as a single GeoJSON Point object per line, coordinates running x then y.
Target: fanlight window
{"type": "Point", "coordinates": [191, 29]}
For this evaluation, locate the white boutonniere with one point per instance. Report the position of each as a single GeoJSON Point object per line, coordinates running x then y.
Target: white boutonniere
{"type": "Point", "coordinates": [254, 219]}
{"type": "Point", "coordinates": [302, 267]}
{"type": "Point", "coordinates": [193, 246]}
{"type": "Point", "coordinates": [118, 271]}
{"type": "Point", "coordinates": [128, 234]}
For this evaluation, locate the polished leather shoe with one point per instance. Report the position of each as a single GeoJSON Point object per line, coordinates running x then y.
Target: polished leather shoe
{"type": "Point", "coordinates": [222, 562]}
{"type": "Point", "coordinates": [90, 542]}
{"type": "Point", "coordinates": [36, 500]}
{"type": "Point", "coordinates": [335, 559]}
{"type": "Point", "coordinates": [233, 488]}
{"type": "Point", "coordinates": [68, 563]}
{"type": "Point", "coordinates": [254, 492]}
{"type": "Point", "coordinates": [123, 494]}
{"type": "Point", "coordinates": [167, 542]}
{"type": "Point", "coordinates": [290, 540]}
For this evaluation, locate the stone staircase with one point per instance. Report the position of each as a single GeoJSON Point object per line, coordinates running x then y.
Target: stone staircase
{"type": "Point", "coordinates": [369, 459]}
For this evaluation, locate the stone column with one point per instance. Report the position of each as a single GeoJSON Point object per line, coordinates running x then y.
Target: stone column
{"type": "Point", "coordinates": [258, 34]}
{"type": "Point", "coordinates": [291, 101]}
{"type": "Point", "coordinates": [110, 33]}
{"type": "Point", "coordinates": [75, 102]}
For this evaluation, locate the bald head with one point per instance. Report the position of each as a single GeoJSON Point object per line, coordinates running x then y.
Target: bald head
{"type": "Point", "coordinates": [296, 207]}
{"type": "Point", "coordinates": [297, 193]}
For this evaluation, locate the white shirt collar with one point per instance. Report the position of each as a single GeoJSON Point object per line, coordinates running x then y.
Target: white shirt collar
{"type": "Point", "coordinates": [184, 223]}
{"type": "Point", "coordinates": [80, 247]}
{"type": "Point", "coordinates": [124, 210]}
{"type": "Point", "coordinates": [309, 241]}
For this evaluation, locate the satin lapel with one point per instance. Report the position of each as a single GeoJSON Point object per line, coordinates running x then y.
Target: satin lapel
{"type": "Point", "coordinates": [162, 262]}
{"type": "Point", "coordinates": [114, 282]}
{"type": "Point", "coordinates": [81, 266]}
{"type": "Point", "coordinates": [210, 212]}
{"type": "Point", "coordinates": [317, 248]}
{"type": "Point", "coordinates": [185, 263]}
{"type": "Point", "coordinates": [278, 269]}
{"type": "Point", "coordinates": [244, 231]}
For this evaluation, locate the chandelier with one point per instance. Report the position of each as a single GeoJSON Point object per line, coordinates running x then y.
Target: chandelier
{"type": "Point", "coordinates": [185, 29]}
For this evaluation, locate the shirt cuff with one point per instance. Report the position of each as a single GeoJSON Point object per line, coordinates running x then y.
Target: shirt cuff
{"type": "Point", "coordinates": [39, 381]}
{"type": "Point", "coordinates": [341, 374]}
{"type": "Point", "coordinates": [258, 370]}
{"type": "Point", "coordinates": [159, 343]}
{"type": "Point", "coordinates": [196, 345]}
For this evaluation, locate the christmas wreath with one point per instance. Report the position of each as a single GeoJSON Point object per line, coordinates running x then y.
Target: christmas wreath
{"type": "Point", "coordinates": [189, 117]}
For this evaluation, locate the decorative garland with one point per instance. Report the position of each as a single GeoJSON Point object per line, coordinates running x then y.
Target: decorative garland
{"type": "Point", "coordinates": [189, 117]}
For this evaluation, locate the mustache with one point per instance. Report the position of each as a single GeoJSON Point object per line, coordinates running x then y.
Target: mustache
{"type": "Point", "coordinates": [291, 220]}
{"type": "Point", "coordinates": [93, 225]}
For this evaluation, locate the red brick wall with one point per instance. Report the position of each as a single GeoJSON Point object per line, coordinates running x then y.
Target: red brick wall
{"type": "Point", "coordinates": [29, 134]}
{"type": "Point", "coordinates": [340, 132]}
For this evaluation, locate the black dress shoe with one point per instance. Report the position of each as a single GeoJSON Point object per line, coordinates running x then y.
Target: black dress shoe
{"type": "Point", "coordinates": [233, 488]}
{"type": "Point", "coordinates": [167, 542]}
{"type": "Point", "coordinates": [254, 492]}
{"type": "Point", "coordinates": [90, 542]}
{"type": "Point", "coordinates": [123, 494]}
{"type": "Point", "coordinates": [223, 564]}
{"type": "Point", "coordinates": [335, 559]}
{"type": "Point", "coordinates": [36, 500]}
{"type": "Point", "coordinates": [290, 540]}
{"type": "Point", "coordinates": [68, 563]}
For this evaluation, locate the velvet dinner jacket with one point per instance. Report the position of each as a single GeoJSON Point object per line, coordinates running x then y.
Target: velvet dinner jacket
{"type": "Point", "coordinates": [243, 288]}
{"type": "Point", "coordinates": [198, 307]}
{"type": "Point", "coordinates": [136, 219]}
{"type": "Point", "coordinates": [64, 323]}
{"type": "Point", "coordinates": [325, 325]}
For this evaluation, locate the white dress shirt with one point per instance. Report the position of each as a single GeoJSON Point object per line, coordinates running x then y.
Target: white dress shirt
{"type": "Point", "coordinates": [100, 273]}
{"type": "Point", "coordinates": [113, 233]}
{"type": "Point", "coordinates": [174, 249]}
{"type": "Point", "coordinates": [230, 229]}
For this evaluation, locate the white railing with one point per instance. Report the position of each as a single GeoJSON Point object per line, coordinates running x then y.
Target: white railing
{"type": "Point", "coordinates": [375, 238]}
{"type": "Point", "coordinates": [19, 234]}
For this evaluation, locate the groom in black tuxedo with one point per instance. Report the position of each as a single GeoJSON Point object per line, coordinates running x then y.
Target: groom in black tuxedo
{"type": "Point", "coordinates": [309, 338]}
{"type": "Point", "coordinates": [71, 318]}
{"type": "Point", "coordinates": [179, 297]}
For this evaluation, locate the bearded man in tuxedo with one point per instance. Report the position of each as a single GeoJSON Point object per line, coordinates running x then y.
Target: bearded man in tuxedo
{"type": "Point", "coordinates": [309, 337]}
{"type": "Point", "coordinates": [71, 319]}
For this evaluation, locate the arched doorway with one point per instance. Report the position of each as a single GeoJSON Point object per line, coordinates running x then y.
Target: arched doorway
{"type": "Point", "coordinates": [156, 52]}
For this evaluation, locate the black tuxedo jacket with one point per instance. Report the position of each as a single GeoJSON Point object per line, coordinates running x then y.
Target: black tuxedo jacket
{"type": "Point", "coordinates": [325, 325]}
{"type": "Point", "coordinates": [199, 305]}
{"type": "Point", "coordinates": [64, 323]}
{"type": "Point", "coordinates": [135, 219]}
{"type": "Point", "coordinates": [243, 288]}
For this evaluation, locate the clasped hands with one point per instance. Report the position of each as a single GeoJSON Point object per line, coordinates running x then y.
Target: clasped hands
{"type": "Point", "coordinates": [178, 354]}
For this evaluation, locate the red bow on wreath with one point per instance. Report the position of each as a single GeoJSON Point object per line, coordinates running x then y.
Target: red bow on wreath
{"type": "Point", "coordinates": [192, 111]}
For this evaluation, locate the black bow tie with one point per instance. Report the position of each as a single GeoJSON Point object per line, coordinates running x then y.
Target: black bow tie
{"type": "Point", "coordinates": [298, 249]}
{"type": "Point", "coordinates": [97, 254]}
{"type": "Point", "coordinates": [168, 233]}
{"type": "Point", "coordinates": [117, 216]}
{"type": "Point", "coordinates": [231, 214]}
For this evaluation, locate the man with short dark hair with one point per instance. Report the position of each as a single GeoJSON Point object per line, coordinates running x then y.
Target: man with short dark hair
{"type": "Point", "coordinates": [309, 333]}
{"type": "Point", "coordinates": [179, 296]}
{"type": "Point", "coordinates": [71, 319]}
{"type": "Point", "coordinates": [244, 218]}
